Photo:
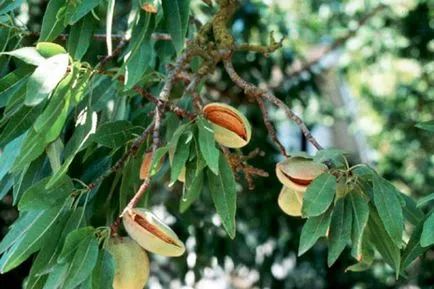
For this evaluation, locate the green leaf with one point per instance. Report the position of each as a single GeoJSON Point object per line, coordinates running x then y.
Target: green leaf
{"type": "Point", "coordinates": [411, 212]}
{"type": "Point", "coordinates": [192, 187]}
{"type": "Point", "coordinates": [103, 274]}
{"type": "Point", "coordinates": [19, 123]}
{"type": "Point", "coordinates": [366, 256]}
{"type": "Point", "coordinates": [77, 9]}
{"type": "Point", "coordinates": [313, 229]}
{"type": "Point", "coordinates": [84, 261]}
{"type": "Point", "coordinates": [360, 208]}
{"type": "Point", "coordinates": [52, 23]}
{"type": "Point", "coordinates": [50, 122]}
{"type": "Point", "coordinates": [38, 198]}
{"type": "Point", "coordinates": [32, 148]}
{"type": "Point", "coordinates": [180, 156]}
{"type": "Point", "coordinates": [159, 154]}
{"type": "Point", "coordinates": [176, 14]}
{"type": "Point", "coordinates": [27, 54]}
{"type": "Point", "coordinates": [12, 82]}
{"type": "Point", "coordinates": [86, 125]}
{"type": "Point", "coordinates": [207, 145]}
{"type": "Point", "coordinates": [425, 200]}
{"type": "Point", "coordinates": [177, 134]}
{"type": "Point", "coordinates": [80, 37]}
{"type": "Point", "coordinates": [340, 229]}
{"type": "Point", "coordinates": [224, 195]}
{"type": "Point", "coordinates": [141, 49]}
{"type": "Point", "coordinates": [45, 78]}
{"type": "Point", "coordinates": [8, 6]}
{"type": "Point", "coordinates": [19, 229]}
{"type": "Point", "coordinates": [382, 240]}
{"type": "Point", "coordinates": [48, 253]}
{"type": "Point", "coordinates": [319, 195]}
{"type": "Point", "coordinates": [114, 134]}
{"type": "Point", "coordinates": [329, 154]}
{"type": "Point", "coordinates": [389, 209]}
{"type": "Point", "coordinates": [57, 276]}
{"type": "Point", "coordinates": [29, 175]}
{"type": "Point", "coordinates": [29, 239]}
{"type": "Point", "coordinates": [9, 154]}
{"type": "Point", "coordinates": [413, 248]}
{"type": "Point", "coordinates": [427, 125]}
{"type": "Point", "coordinates": [49, 49]}
{"type": "Point", "coordinates": [54, 153]}
{"type": "Point", "coordinates": [72, 243]}
{"type": "Point", "coordinates": [427, 237]}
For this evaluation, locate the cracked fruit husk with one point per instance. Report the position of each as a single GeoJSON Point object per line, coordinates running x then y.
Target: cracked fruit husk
{"type": "Point", "coordinates": [298, 172]}
{"type": "Point", "coordinates": [151, 233]}
{"type": "Point", "coordinates": [231, 127]}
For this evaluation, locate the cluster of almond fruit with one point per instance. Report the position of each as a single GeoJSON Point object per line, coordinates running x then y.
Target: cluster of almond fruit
{"type": "Point", "coordinates": [146, 233]}
{"type": "Point", "coordinates": [296, 174]}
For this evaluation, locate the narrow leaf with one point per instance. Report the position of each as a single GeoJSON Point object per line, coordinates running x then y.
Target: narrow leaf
{"type": "Point", "coordinates": [114, 134]}
{"type": "Point", "coordinates": [192, 188]}
{"type": "Point", "coordinates": [77, 9]}
{"type": "Point", "coordinates": [319, 195]}
{"type": "Point", "coordinates": [176, 14]}
{"type": "Point", "coordinates": [45, 78]}
{"type": "Point", "coordinates": [382, 240]}
{"type": "Point", "coordinates": [340, 229]}
{"type": "Point", "coordinates": [80, 37]}
{"type": "Point", "coordinates": [52, 23]}
{"type": "Point", "coordinates": [38, 198]}
{"type": "Point", "coordinates": [27, 54]}
{"type": "Point", "coordinates": [224, 195]}
{"type": "Point", "coordinates": [103, 274]}
{"type": "Point", "coordinates": [207, 145]}
{"type": "Point", "coordinates": [313, 229]}
{"type": "Point", "coordinates": [413, 249]}
{"type": "Point", "coordinates": [360, 208]}
{"type": "Point", "coordinates": [30, 241]}
{"type": "Point", "coordinates": [389, 209]}
{"type": "Point", "coordinates": [180, 157]}
{"type": "Point", "coordinates": [427, 237]}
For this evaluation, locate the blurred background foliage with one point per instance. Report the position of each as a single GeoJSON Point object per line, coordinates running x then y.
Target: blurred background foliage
{"type": "Point", "coordinates": [364, 96]}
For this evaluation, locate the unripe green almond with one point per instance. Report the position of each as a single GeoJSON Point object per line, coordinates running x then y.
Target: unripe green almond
{"type": "Point", "coordinates": [290, 201]}
{"type": "Point", "coordinates": [297, 172]}
{"type": "Point", "coordinates": [231, 127]}
{"type": "Point", "coordinates": [132, 263]}
{"type": "Point", "coordinates": [151, 233]}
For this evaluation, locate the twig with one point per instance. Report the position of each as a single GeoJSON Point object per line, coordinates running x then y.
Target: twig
{"type": "Point", "coordinates": [270, 127]}
{"type": "Point", "coordinates": [167, 105]}
{"type": "Point", "coordinates": [115, 53]}
{"type": "Point", "coordinates": [251, 89]}
{"type": "Point", "coordinates": [191, 89]}
{"type": "Point", "coordinates": [146, 183]}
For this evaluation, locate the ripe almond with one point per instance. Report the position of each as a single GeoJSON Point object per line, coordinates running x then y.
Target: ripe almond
{"type": "Point", "coordinates": [151, 233]}
{"type": "Point", "coordinates": [298, 172]}
{"type": "Point", "coordinates": [231, 127]}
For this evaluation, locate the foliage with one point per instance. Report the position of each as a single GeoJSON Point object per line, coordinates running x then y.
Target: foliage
{"type": "Point", "coordinates": [75, 126]}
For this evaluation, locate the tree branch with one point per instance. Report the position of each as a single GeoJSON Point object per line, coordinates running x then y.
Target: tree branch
{"type": "Point", "coordinates": [252, 90]}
